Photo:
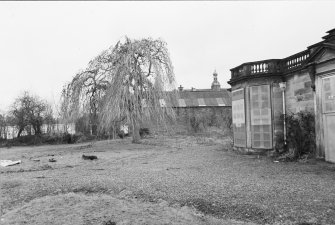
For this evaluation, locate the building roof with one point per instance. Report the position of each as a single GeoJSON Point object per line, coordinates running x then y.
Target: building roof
{"type": "Point", "coordinates": [203, 98]}
{"type": "Point", "coordinates": [216, 96]}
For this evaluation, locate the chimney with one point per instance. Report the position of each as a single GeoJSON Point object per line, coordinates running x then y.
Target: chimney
{"type": "Point", "coordinates": [180, 88]}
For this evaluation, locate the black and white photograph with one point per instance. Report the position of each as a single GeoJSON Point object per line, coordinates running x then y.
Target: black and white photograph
{"type": "Point", "coordinates": [167, 112]}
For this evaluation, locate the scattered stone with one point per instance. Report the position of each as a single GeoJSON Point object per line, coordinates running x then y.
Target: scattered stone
{"type": "Point", "coordinates": [173, 168]}
{"type": "Point", "coordinates": [45, 167]}
{"type": "Point", "coordinates": [89, 157]}
{"type": "Point", "coordinates": [52, 160]}
{"type": "Point", "coordinates": [109, 223]}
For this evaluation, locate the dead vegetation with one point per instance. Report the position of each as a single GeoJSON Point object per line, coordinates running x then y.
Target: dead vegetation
{"type": "Point", "coordinates": [180, 179]}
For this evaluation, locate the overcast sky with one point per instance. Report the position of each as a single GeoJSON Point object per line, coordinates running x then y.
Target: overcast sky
{"type": "Point", "coordinates": [44, 44]}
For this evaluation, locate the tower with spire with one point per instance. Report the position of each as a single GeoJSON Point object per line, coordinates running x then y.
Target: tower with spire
{"type": "Point", "coordinates": [215, 84]}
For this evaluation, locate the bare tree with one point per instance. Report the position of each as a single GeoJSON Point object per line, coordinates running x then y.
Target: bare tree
{"type": "Point", "coordinates": [3, 126]}
{"type": "Point", "coordinates": [49, 118]}
{"type": "Point", "coordinates": [136, 84]}
{"type": "Point", "coordinates": [28, 110]}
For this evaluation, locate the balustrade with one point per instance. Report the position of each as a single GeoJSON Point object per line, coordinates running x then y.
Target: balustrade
{"type": "Point", "coordinates": [272, 66]}
{"type": "Point", "coordinates": [295, 61]}
{"type": "Point", "coordinates": [259, 68]}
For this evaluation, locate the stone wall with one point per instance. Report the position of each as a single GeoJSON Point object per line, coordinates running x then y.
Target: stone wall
{"type": "Point", "coordinates": [299, 94]}
{"type": "Point", "coordinates": [212, 116]}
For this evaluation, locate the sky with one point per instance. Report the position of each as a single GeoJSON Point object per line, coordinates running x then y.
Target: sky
{"type": "Point", "coordinates": [44, 44]}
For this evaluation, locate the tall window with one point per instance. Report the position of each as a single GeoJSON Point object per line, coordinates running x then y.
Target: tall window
{"type": "Point", "coordinates": [261, 128]}
{"type": "Point", "coordinates": [328, 91]}
{"type": "Point", "coordinates": [239, 118]}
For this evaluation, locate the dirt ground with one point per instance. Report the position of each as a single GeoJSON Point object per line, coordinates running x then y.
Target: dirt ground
{"type": "Point", "coordinates": [164, 180]}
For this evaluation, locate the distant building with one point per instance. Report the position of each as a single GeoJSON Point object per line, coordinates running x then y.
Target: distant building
{"type": "Point", "coordinates": [214, 97]}
{"type": "Point", "coordinates": [262, 91]}
{"type": "Point", "coordinates": [214, 102]}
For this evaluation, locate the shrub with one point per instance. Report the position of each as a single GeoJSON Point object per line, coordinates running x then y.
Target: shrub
{"type": "Point", "coordinates": [65, 138]}
{"type": "Point", "coordinates": [300, 136]}
{"type": "Point", "coordinates": [280, 145]}
{"type": "Point", "coordinates": [52, 139]}
{"type": "Point", "coordinates": [78, 137]}
{"type": "Point", "coordinates": [144, 131]}
{"type": "Point", "coordinates": [27, 140]}
{"type": "Point", "coordinates": [197, 123]}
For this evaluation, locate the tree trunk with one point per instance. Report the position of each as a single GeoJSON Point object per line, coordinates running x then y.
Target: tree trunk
{"type": "Point", "coordinates": [38, 130]}
{"type": "Point", "coordinates": [94, 128]}
{"type": "Point", "coordinates": [35, 130]}
{"type": "Point", "coordinates": [19, 133]}
{"type": "Point", "coordinates": [136, 131]}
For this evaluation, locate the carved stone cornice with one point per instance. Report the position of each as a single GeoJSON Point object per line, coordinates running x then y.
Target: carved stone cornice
{"type": "Point", "coordinates": [311, 72]}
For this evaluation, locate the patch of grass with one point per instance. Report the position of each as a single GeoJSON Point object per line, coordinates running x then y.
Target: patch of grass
{"type": "Point", "coordinates": [78, 209]}
{"type": "Point", "coordinates": [216, 183]}
{"type": "Point", "coordinates": [91, 190]}
{"type": "Point", "coordinates": [10, 184]}
{"type": "Point", "coordinates": [21, 170]}
{"type": "Point", "coordinates": [205, 141]}
{"type": "Point", "coordinates": [243, 211]}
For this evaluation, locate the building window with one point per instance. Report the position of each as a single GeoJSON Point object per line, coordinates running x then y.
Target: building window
{"type": "Point", "coordinates": [260, 107]}
{"type": "Point", "coordinates": [328, 94]}
{"type": "Point", "coordinates": [238, 112]}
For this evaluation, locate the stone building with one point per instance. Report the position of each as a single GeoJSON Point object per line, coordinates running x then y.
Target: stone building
{"type": "Point", "coordinates": [262, 91]}
{"type": "Point", "coordinates": [214, 103]}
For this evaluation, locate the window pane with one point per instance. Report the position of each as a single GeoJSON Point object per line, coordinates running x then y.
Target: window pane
{"type": "Point", "coordinates": [239, 118]}
{"type": "Point", "coordinates": [328, 99]}
{"type": "Point", "coordinates": [261, 117]}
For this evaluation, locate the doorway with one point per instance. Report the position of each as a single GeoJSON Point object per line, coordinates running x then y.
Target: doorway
{"type": "Point", "coordinates": [328, 114]}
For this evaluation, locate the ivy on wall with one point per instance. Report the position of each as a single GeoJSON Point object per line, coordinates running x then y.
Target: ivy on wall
{"type": "Point", "coordinates": [300, 135]}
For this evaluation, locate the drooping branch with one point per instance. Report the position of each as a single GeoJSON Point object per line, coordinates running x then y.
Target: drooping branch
{"type": "Point", "coordinates": [128, 81]}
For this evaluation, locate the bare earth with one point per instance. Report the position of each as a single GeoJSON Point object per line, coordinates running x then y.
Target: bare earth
{"type": "Point", "coordinates": [170, 180]}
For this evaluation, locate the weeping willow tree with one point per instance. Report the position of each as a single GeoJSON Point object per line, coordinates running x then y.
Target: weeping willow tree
{"type": "Point", "coordinates": [82, 98]}
{"type": "Point", "coordinates": [133, 82]}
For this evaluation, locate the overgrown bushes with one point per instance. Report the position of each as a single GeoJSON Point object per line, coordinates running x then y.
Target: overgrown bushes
{"type": "Point", "coordinates": [197, 123]}
{"type": "Point", "coordinates": [65, 138]}
{"type": "Point", "coordinates": [200, 121]}
{"type": "Point", "coordinates": [300, 136]}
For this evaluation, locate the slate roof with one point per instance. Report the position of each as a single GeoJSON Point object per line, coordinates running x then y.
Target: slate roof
{"type": "Point", "coordinates": [203, 98]}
